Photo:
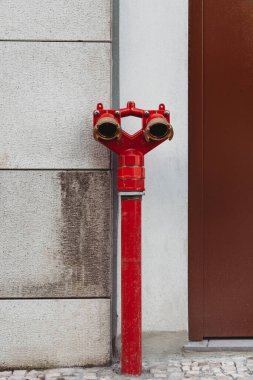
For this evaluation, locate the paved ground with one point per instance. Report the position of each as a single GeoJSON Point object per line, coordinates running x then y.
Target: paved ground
{"type": "Point", "coordinates": [236, 367]}
{"type": "Point", "coordinates": [163, 359]}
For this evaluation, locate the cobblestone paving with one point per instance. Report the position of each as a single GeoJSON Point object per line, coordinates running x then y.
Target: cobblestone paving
{"type": "Point", "coordinates": [219, 368]}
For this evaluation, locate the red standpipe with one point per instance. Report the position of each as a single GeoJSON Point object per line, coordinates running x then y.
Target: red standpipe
{"type": "Point", "coordinates": [131, 284]}
{"type": "Point", "coordinates": [131, 176]}
{"type": "Point", "coordinates": [131, 149]}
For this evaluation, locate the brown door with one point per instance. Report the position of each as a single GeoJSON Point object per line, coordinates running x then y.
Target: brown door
{"type": "Point", "coordinates": [221, 169]}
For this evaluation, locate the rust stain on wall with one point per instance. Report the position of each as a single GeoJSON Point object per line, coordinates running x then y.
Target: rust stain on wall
{"type": "Point", "coordinates": [86, 247]}
{"type": "Point", "coordinates": [72, 254]}
{"type": "Point", "coordinates": [4, 159]}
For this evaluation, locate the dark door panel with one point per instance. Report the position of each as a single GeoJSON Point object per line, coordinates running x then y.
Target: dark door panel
{"type": "Point", "coordinates": [226, 168]}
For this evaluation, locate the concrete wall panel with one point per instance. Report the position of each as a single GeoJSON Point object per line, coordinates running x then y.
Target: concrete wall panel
{"type": "Point", "coordinates": [48, 93]}
{"type": "Point", "coordinates": [82, 20]}
{"type": "Point", "coordinates": [54, 333]}
{"type": "Point", "coordinates": [55, 234]}
{"type": "Point", "coordinates": [55, 184]}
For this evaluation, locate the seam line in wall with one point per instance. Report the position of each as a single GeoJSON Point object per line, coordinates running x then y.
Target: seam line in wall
{"type": "Point", "coordinates": [34, 40]}
{"type": "Point", "coordinates": [57, 169]}
{"type": "Point", "coordinates": [53, 298]}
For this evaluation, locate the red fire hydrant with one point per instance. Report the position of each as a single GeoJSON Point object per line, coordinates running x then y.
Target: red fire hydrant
{"type": "Point", "coordinates": [131, 149]}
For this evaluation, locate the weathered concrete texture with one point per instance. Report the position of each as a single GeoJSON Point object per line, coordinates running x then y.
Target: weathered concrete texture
{"type": "Point", "coordinates": [55, 20]}
{"type": "Point", "coordinates": [55, 234]}
{"type": "Point", "coordinates": [48, 93]}
{"type": "Point", "coordinates": [44, 333]}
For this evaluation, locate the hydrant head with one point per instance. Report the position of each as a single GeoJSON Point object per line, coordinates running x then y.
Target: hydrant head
{"type": "Point", "coordinates": [131, 149]}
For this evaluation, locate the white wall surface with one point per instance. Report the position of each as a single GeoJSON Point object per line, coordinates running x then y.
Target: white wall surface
{"type": "Point", "coordinates": [55, 20]}
{"type": "Point", "coordinates": [153, 70]}
{"type": "Point", "coordinates": [51, 89]}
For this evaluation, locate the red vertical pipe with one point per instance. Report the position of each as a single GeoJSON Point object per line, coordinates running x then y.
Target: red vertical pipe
{"type": "Point", "coordinates": [131, 353]}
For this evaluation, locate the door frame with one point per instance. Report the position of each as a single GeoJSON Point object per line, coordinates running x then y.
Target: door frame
{"type": "Point", "coordinates": [196, 175]}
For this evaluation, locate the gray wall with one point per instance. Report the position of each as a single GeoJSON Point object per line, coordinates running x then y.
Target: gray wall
{"type": "Point", "coordinates": [153, 70]}
{"type": "Point", "coordinates": [55, 183]}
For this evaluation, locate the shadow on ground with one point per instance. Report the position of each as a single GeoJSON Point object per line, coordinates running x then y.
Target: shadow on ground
{"type": "Point", "coordinates": [157, 346]}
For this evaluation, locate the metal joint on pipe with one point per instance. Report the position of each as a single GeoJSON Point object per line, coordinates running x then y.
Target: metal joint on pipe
{"type": "Point", "coordinates": [131, 193]}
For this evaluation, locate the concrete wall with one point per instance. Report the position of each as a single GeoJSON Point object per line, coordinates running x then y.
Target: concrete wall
{"type": "Point", "coordinates": [55, 183]}
{"type": "Point", "coordinates": [153, 69]}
